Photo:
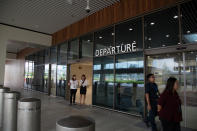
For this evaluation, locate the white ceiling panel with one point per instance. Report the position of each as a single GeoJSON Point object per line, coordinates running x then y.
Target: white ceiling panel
{"type": "Point", "coordinates": [47, 16]}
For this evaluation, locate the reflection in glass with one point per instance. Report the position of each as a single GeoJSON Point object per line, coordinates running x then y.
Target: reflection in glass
{"type": "Point", "coordinates": [103, 39]}
{"type": "Point", "coordinates": [165, 66]}
{"type": "Point", "coordinates": [62, 53]}
{"type": "Point", "coordinates": [86, 46]}
{"type": "Point", "coordinates": [103, 82]}
{"type": "Point", "coordinates": [129, 32]}
{"type": "Point", "coordinates": [191, 89]}
{"type": "Point", "coordinates": [73, 48]}
{"type": "Point", "coordinates": [46, 70]}
{"type": "Point", "coordinates": [189, 20]}
{"type": "Point", "coordinates": [162, 28]}
{"type": "Point", "coordinates": [130, 83]}
{"type": "Point", "coordinates": [61, 80]}
{"type": "Point", "coordinates": [46, 78]}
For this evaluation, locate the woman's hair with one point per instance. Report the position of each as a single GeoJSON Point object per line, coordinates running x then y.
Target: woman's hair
{"type": "Point", "coordinates": [170, 84]}
{"type": "Point", "coordinates": [73, 77]}
{"type": "Point", "coordinates": [83, 76]}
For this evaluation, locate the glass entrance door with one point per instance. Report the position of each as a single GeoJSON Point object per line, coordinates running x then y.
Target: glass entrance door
{"type": "Point", "coordinates": [178, 65]}
{"type": "Point", "coordinates": [61, 80]}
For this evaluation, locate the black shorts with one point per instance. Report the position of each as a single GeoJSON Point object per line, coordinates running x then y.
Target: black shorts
{"type": "Point", "coordinates": [83, 90]}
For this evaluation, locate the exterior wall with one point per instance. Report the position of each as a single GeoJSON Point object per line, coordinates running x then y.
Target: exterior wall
{"type": "Point", "coordinates": [83, 68]}
{"type": "Point", "coordinates": [14, 69]}
{"type": "Point", "coordinates": [11, 33]}
{"type": "Point", "coordinates": [125, 9]}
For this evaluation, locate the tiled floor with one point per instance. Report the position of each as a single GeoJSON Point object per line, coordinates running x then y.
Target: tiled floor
{"type": "Point", "coordinates": [54, 108]}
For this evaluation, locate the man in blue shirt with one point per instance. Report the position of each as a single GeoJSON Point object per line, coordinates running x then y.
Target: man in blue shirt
{"type": "Point", "coordinates": [152, 96]}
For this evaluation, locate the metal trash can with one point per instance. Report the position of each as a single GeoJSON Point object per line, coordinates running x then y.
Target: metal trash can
{"type": "Point", "coordinates": [10, 110]}
{"type": "Point", "coordinates": [2, 90]}
{"type": "Point", "coordinates": [75, 123]}
{"type": "Point", "coordinates": [29, 114]}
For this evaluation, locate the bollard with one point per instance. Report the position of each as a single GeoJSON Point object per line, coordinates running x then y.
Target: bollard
{"type": "Point", "coordinates": [2, 90]}
{"type": "Point", "coordinates": [29, 114]}
{"type": "Point", "coordinates": [10, 110]}
{"type": "Point", "coordinates": [75, 123]}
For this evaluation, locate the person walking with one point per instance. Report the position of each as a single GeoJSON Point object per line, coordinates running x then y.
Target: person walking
{"type": "Point", "coordinates": [83, 88]}
{"type": "Point", "coordinates": [73, 89]}
{"type": "Point", "coordinates": [152, 96]}
{"type": "Point", "coordinates": [169, 106]}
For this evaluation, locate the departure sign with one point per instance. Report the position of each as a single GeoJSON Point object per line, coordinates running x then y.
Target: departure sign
{"type": "Point", "coordinates": [112, 50]}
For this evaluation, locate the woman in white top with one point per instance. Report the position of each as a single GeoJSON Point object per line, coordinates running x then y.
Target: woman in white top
{"type": "Point", "coordinates": [73, 89]}
{"type": "Point", "coordinates": [83, 88]}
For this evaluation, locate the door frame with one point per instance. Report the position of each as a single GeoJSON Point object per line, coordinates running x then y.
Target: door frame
{"type": "Point", "coordinates": [183, 49]}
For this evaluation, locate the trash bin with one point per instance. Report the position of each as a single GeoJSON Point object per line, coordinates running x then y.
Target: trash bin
{"type": "Point", "coordinates": [29, 114]}
{"type": "Point", "coordinates": [10, 110]}
{"type": "Point", "coordinates": [2, 90]}
{"type": "Point", "coordinates": [75, 123]}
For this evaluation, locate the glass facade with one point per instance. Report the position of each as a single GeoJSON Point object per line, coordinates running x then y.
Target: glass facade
{"type": "Point", "coordinates": [103, 81]}
{"type": "Point", "coordinates": [129, 83]}
{"type": "Point", "coordinates": [62, 69]}
{"type": "Point", "coordinates": [132, 33]}
{"type": "Point", "coordinates": [189, 19]}
{"type": "Point", "coordinates": [86, 46]}
{"type": "Point", "coordinates": [118, 78]}
{"type": "Point", "coordinates": [73, 48]}
{"type": "Point", "coordinates": [161, 29]}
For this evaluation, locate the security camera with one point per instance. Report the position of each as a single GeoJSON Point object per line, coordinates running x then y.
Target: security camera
{"type": "Point", "coordinates": [88, 7]}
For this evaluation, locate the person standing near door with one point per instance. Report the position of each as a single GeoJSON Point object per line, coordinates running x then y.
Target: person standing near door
{"type": "Point", "coordinates": [169, 106]}
{"type": "Point", "coordinates": [83, 88]}
{"type": "Point", "coordinates": [73, 89]}
{"type": "Point", "coordinates": [152, 96]}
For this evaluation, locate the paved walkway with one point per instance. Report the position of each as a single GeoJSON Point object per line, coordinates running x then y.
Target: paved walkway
{"type": "Point", "coordinates": [54, 108]}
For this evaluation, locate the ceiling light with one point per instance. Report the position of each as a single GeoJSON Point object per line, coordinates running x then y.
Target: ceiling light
{"type": "Point", "coordinates": [130, 29]}
{"type": "Point", "coordinates": [149, 39]}
{"type": "Point", "coordinates": [88, 40]}
{"type": "Point", "coordinates": [100, 37]}
{"type": "Point", "coordinates": [112, 33]}
{"type": "Point", "coordinates": [152, 23]}
{"type": "Point", "coordinates": [188, 31]}
{"type": "Point", "coordinates": [175, 17]}
{"type": "Point", "coordinates": [167, 35]}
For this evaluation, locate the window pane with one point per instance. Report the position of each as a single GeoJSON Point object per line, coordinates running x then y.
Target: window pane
{"type": "Point", "coordinates": [86, 43]}
{"type": "Point", "coordinates": [103, 82]}
{"type": "Point", "coordinates": [62, 53]}
{"type": "Point", "coordinates": [129, 83]}
{"type": "Point", "coordinates": [129, 32]}
{"type": "Point", "coordinates": [47, 56]}
{"type": "Point", "coordinates": [162, 28]}
{"type": "Point", "coordinates": [53, 58]}
{"type": "Point", "coordinates": [189, 22]}
{"type": "Point", "coordinates": [103, 39]}
{"type": "Point", "coordinates": [73, 50]}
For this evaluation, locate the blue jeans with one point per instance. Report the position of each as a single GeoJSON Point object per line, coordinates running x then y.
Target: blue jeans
{"type": "Point", "coordinates": [151, 118]}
